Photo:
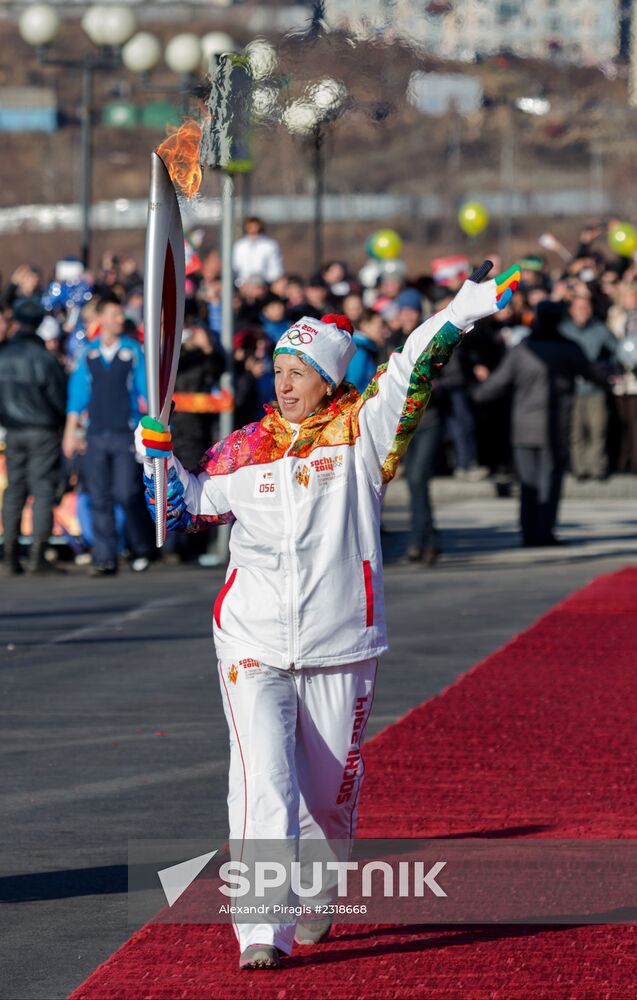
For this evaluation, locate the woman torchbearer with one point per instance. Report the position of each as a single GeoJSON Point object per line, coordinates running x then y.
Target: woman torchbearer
{"type": "Point", "coordinates": [299, 624]}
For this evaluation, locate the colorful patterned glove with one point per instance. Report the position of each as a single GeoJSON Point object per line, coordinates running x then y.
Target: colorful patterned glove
{"type": "Point", "coordinates": [178, 516]}
{"type": "Point", "coordinates": [474, 302]}
{"type": "Point", "coordinates": [155, 439]}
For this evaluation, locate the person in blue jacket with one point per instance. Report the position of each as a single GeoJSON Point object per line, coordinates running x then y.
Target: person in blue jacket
{"type": "Point", "coordinates": [370, 339]}
{"type": "Point", "coordinates": [108, 384]}
{"type": "Point", "coordinates": [273, 318]}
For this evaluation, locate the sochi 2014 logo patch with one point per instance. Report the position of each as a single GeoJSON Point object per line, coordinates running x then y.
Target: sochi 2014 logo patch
{"type": "Point", "coordinates": [327, 469]}
{"type": "Point", "coordinates": [251, 668]}
{"type": "Point", "coordinates": [302, 476]}
{"type": "Point", "coordinates": [233, 673]}
{"type": "Point", "coordinates": [330, 463]}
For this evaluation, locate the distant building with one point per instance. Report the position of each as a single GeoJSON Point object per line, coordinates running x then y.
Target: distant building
{"type": "Point", "coordinates": [437, 93]}
{"type": "Point", "coordinates": [586, 31]}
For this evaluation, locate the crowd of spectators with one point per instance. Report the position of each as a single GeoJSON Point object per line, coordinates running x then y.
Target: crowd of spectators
{"type": "Point", "coordinates": [546, 385]}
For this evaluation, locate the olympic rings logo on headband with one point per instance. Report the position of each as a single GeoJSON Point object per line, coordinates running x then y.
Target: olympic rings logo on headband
{"type": "Point", "coordinates": [300, 335]}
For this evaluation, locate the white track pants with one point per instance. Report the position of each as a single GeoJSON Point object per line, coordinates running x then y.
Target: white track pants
{"type": "Point", "coordinates": [295, 762]}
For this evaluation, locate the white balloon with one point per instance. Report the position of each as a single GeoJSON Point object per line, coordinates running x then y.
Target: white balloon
{"type": "Point", "coordinates": [142, 53]}
{"type": "Point", "coordinates": [39, 24]}
{"type": "Point", "coordinates": [393, 268]}
{"type": "Point", "coordinates": [183, 53]}
{"type": "Point", "coordinates": [370, 273]}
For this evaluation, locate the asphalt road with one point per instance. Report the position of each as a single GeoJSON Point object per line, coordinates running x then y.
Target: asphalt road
{"type": "Point", "coordinates": [112, 722]}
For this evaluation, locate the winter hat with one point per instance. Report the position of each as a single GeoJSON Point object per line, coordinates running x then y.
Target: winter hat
{"type": "Point", "coordinates": [28, 313]}
{"type": "Point", "coordinates": [326, 344]}
{"type": "Point", "coordinates": [409, 298]}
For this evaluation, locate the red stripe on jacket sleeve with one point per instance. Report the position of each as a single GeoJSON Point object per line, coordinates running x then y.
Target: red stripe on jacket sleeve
{"type": "Point", "coordinates": [369, 592]}
{"type": "Point", "coordinates": [222, 596]}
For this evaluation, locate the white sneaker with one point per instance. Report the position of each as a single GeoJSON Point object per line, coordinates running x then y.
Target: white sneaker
{"type": "Point", "coordinates": [259, 956]}
{"type": "Point", "coordinates": [140, 565]}
{"type": "Point", "coordinates": [476, 473]}
{"type": "Point", "coordinates": [312, 931]}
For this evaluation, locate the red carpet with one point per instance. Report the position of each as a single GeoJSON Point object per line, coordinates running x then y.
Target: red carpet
{"type": "Point", "coordinates": [538, 740]}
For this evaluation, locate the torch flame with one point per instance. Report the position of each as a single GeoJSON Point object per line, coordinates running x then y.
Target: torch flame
{"type": "Point", "coordinates": [180, 153]}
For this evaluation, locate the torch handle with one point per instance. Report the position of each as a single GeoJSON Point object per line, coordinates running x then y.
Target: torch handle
{"type": "Point", "coordinates": [481, 272]}
{"type": "Point", "coordinates": [159, 476]}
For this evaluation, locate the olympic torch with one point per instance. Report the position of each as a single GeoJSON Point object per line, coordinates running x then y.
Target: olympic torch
{"type": "Point", "coordinates": [163, 311]}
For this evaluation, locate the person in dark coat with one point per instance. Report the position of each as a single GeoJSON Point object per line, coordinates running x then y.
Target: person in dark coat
{"type": "Point", "coordinates": [421, 455]}
{"type": "Point", "coordinates": [200, 368]}
{"type": "Point", "coordinates": [249, 369]}
{"type": "Point", "coordinates": [589, 452]}
{"type": "Point", "coordinates": [485, 347]}
{"type": "Point", "coordinates": [540, 375]}
{"type": "Point", "coordinates": [201, 365]}
{"type": "Point", "coordinates": [32, 410]}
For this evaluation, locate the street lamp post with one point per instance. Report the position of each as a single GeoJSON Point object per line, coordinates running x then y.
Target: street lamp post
{"type": "Point", "coordinates": [183, 56]}
{"type": "Point", "coordinates": [308, 117]}
{"type": "Point", "coordinates": [108, 28]}
{"type": "Point", "coordinates": [112, 31]}
{"type": "Point", "coordinates": [86, 159]}
{"type": "Point", "coordinates": [319, 191]}
{"type": "Point", "coordinates": [191, 58]}
{"type": "Point", "coordinates": [143, 52]}
{"type": "Point", "coordinates": [187, 55]}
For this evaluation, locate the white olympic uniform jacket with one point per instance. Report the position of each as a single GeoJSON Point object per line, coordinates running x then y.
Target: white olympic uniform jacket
{"type": "Point", "coordinates": [304, 585]}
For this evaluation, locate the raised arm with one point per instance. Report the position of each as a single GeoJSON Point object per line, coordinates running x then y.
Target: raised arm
{"type": "Point", "coordinates": [391, 407]}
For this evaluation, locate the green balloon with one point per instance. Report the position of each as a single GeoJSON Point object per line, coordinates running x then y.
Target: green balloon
{"type": "Point", "coordinates": [385, 244]}
{"type": "Point", "coordinates": [473, 218]}
{"type": "Point", "coordinates": [622, 239]}
{"type": "Point", "coordinates": [369, 247]}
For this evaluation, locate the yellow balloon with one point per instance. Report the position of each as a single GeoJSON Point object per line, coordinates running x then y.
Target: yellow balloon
{"type": "Point", "coordinates": [473, 218]}
{"type": "Point", "coordinates": [623, 239]}
{"type": "Point", "coordinates": [385, 244]}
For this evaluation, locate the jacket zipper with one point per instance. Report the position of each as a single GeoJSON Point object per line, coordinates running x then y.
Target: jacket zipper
{"type": "Point", "coordinates": [291, 554]}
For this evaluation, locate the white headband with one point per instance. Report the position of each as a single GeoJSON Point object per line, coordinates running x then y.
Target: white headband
{"type": "Point", "coordinates": [326, 344]}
